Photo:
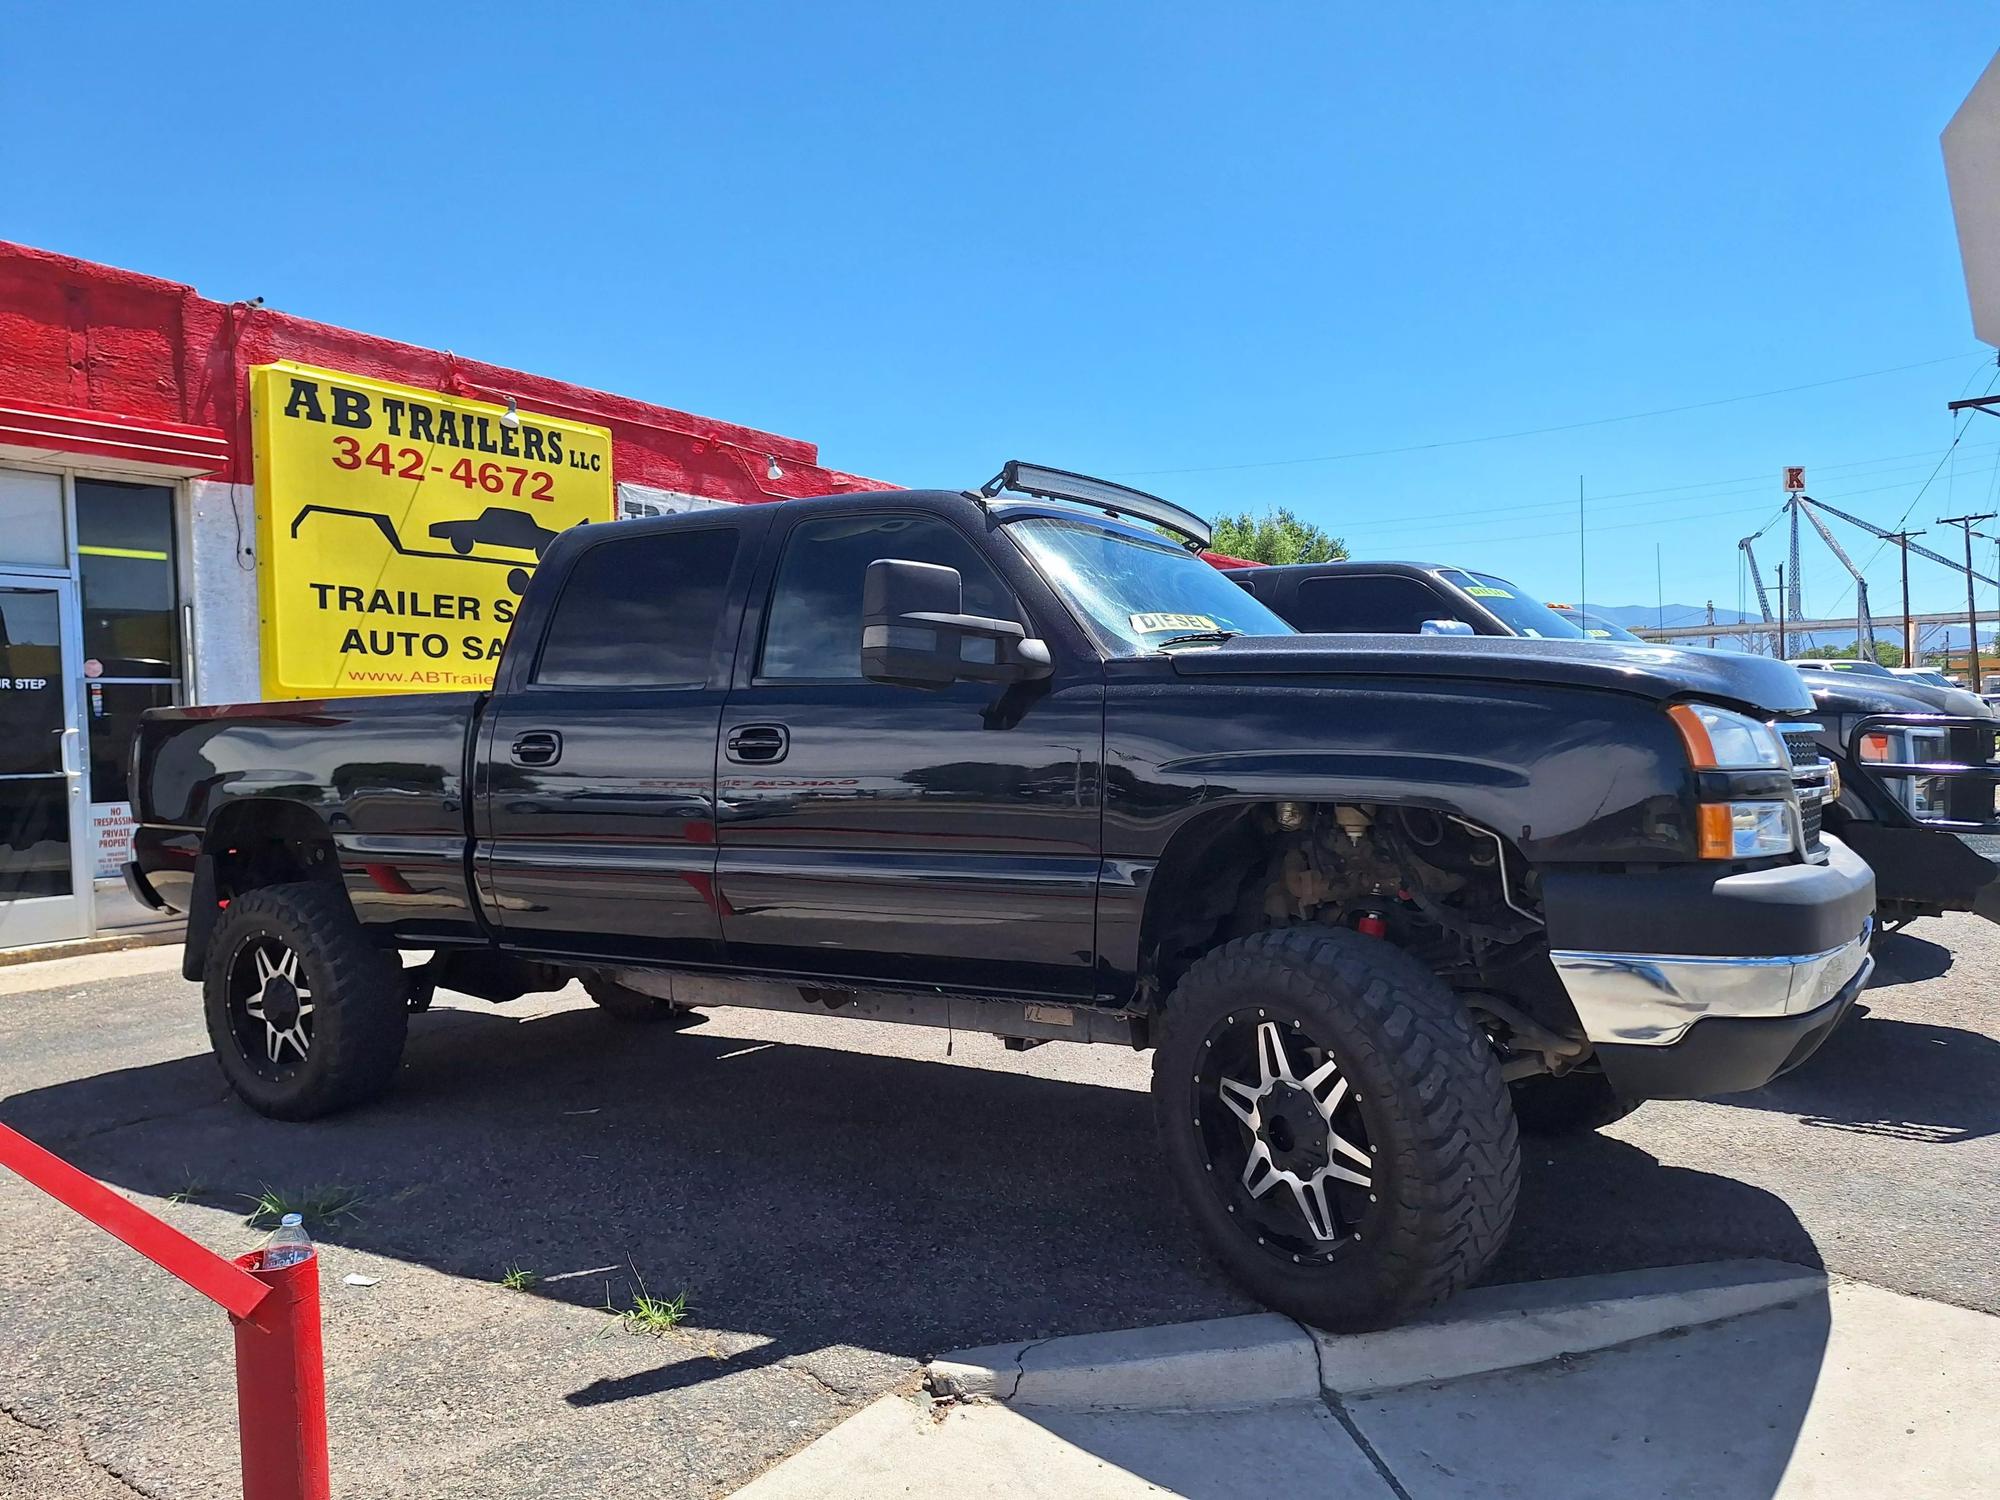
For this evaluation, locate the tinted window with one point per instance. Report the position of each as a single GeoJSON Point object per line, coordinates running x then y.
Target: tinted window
{"type": "Point", "coordinates": [1517, 611]}
{"type": "Point", "coordinates": [1367, 603]}
{"type": "Point", "coordinates": [815, 625]}
{"type": "Point", "coordinates": [640, 611]}
{"type": "Point", "coordinates": [125, 553]}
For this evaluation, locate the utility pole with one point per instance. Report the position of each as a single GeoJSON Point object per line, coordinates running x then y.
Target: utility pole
{"type": "Point", "coordinates": [1964, 523]}
{"type": "Point", "coordinates": [1582, 554]}
{"type": "Point", "coordinates": [1711, 621]}
{"type": "Point", "coordinates": [1902, 541]}
{"type": "Point", "coordinates": [1784, 606]}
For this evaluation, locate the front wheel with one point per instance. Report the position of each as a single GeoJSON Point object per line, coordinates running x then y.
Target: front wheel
{"type": "Point", "coordinates": [305, 1014]}
{"type": "Point", "coordinates": [1337, 1124]}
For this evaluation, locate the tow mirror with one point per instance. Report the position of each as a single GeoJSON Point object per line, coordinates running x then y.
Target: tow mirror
{"type": "Point", "coordinates": [915, 633]}
{"type": "Point", "coordinates": [1445, 627]}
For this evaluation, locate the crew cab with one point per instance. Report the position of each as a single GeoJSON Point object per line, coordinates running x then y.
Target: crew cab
{"type": "Point", "coordinates": [1017, 760]}
{"type": "Point", "coordinates": [1901, 769]}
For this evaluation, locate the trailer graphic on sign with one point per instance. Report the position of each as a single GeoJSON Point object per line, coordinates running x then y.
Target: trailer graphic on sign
{"type": "Point", "coordinates": [398, 527]}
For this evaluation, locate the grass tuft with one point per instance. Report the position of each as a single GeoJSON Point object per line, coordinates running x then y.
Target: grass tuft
{"type": "Point", "coordinates": [648, 1314]}
{"type": "Point", "coordinates": [518, 1279]}
{"type": "Point", "coordinates": [321, 1207]}
{"type": "Point", "coordinates": [654, 1314]}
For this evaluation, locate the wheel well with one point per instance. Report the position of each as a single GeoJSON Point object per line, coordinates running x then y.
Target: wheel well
{"type": "Point", "coordinates": [1454, 894]}
{"type": "Point", "coordinates": [262, 842]}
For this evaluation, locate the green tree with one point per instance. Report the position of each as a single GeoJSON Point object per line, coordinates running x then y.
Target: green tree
{"type": "Point", "coordinates": [1887, 653]}
{"type": "Point", "coordinates": [1277, 536]}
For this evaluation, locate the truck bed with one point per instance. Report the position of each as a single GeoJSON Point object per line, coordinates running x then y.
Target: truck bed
{"type": "Point", "coordinates": [386, 776]}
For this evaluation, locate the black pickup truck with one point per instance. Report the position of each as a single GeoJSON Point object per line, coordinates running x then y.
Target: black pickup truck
{"type": "Point", "coordinates": [1912, 769]}
{"type": "Point", "coordinates": [1017, 760]}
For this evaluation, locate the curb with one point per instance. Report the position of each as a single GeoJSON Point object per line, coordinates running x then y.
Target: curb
{"type": "Point", "coordinates": [1265, 1357]}
{"type": "Point", "coordinates": [112, 942]}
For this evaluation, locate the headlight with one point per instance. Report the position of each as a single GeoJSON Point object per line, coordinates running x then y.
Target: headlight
{"type": "Point", "coordinates": [1719, 739]}
{"type": "Point", "coordinates": [1745, 830]}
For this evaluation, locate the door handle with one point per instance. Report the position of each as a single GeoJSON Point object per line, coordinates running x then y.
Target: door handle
{"type": "Point", "coordinates": [538, 747]}
{"type": "Point", "coordinates": [757, 744]}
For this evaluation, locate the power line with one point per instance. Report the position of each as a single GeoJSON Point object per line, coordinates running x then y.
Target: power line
{"type": "Point", "coordinates": [1482, 512]}
{"type": "Point", "coordinates": [1734, 510]}
{"type": "Point", "coordinates": [1964, 423]}
{"type": "Point", "coordinates": [1497, 437]}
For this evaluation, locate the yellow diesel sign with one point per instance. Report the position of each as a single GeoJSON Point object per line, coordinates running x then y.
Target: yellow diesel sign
{"type": "Point", "coordinates": [397, 528]}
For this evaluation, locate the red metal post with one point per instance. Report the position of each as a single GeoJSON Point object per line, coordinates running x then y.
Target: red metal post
{"type": "Point", "coordinates": [280, 1371]}
{"type": "Point", "coordinates": [161, 1243]}
{"type": "Point", "coordinates": [281, 1386]}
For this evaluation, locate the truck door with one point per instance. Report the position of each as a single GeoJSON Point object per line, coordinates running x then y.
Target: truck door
{"type": "Point", "coordinates": [596, 827]}
{"type": "Point", "coordinates": [904, 835]}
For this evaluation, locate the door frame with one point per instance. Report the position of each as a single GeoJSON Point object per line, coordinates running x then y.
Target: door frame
{"type": "Point", "coordinates": [48, 919]}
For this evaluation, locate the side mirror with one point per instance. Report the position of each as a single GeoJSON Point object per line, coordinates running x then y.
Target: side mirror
{"type": "Point", "coordinates": [1445, 627]}
{"type": "Point", "coordinates": [914, 631]}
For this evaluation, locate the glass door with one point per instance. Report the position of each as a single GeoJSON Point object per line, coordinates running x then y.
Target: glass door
{"type": "Point", "coordinates": [44, 884]}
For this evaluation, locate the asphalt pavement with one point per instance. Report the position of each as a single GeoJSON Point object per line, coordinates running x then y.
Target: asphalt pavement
{"type": "Point", "coordinates": [838, 1200]}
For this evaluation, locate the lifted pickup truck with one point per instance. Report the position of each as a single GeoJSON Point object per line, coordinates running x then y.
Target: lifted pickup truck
{"type": "Point", "coordinates": [1016, 760]}
{"type": "Point", "coordinates": [1906, 774]}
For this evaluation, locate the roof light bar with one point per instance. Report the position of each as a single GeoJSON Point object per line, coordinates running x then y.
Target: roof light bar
{"type": "Point", "coordinates": [1060, 484]}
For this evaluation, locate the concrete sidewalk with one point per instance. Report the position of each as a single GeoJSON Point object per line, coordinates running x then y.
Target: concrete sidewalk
{"type": "Point", "coordinates": [1744, 1382]}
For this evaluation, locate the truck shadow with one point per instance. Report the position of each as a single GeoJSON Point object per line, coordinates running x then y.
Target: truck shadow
{"type": "Point", "coordinates": [1858, 1082]}
{"type": "Point", "coordinates": [1905, 958]}
{"type": "Point", "coordinates": [828, 1203]}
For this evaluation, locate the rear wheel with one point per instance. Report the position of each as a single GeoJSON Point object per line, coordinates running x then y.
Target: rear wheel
{"type": "Point", "coordinates": [1337, 1125]}
{"type": "Point", "coordinates": [306, 1016]}
{"type": "Point", "coordinates": [1569, 1105]}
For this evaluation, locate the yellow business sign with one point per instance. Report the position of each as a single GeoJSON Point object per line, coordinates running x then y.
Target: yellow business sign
{"type": "Point", "coordinates": [397, 528]}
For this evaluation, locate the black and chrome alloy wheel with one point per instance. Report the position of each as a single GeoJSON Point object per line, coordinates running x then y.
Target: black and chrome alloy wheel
{"type": "Point", "coordinates": [270, 1006]}
{"type": "Point", "coordinates": [1282, 1133]}
{"type": "Point", "coordinates": [306, 1015]}
{"type": "Point", "coordinates": [1336, 1122]}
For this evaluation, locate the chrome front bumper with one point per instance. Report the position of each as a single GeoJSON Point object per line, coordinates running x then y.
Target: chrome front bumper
{"type": "Point", "coordinates": [1651, 999]}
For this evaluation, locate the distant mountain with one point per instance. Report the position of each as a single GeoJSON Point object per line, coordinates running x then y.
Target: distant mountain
{"type": "Point", "coordinates": [1888, 627]}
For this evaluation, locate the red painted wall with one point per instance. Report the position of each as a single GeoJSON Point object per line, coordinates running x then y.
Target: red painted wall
{"type": "Point", "coordinates": [74, 333]}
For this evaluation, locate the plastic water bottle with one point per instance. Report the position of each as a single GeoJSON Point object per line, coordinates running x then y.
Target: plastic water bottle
{"type": "Point", "coordinates": [288, 1245]}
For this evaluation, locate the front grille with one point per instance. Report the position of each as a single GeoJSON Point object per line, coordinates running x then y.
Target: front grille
{"type": "Point", "coordinates": [1809, 775]}
{"type": "Point", "coordinates": [1802, 741]}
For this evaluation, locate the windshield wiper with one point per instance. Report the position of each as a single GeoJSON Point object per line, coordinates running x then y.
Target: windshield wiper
{"type": "Point", "coordinates": [1197, 635]}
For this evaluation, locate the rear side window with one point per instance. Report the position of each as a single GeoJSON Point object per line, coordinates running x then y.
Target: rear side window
{"type": "Point", "coordinates": [640, 611]}
{"type": "Point", "coordinates": [815, 623]}
{"type": "Point", "coordinates": [1367, 604]}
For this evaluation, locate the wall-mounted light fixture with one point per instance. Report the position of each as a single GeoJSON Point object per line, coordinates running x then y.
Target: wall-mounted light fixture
{"type": "Point", "coordinates": [511, 417]}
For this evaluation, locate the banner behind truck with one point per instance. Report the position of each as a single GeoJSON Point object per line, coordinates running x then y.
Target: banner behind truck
{"type": "Point", "coordinates": [397, 528]}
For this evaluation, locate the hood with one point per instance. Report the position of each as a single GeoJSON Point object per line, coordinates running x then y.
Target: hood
{"type": "Point", "coordinates": [1658, 672]}
{"type": "Point", "coordinates": [1856, 693]}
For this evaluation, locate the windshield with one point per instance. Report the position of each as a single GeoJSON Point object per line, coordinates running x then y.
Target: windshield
{"type": "Point", "coordinates": [1519, 613]}
{"type": "Point", "coordinates": [1139, 595]}
{"type": "Point", "coordinates": [1600, 629]}
{"type": "Point", "coordinates": [1858, 668]}
{"type": "Point", "coordinates": [1935, 679]}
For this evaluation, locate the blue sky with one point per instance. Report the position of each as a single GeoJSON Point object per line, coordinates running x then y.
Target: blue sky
{"type": "Point", "coordinates": [1127, 239]}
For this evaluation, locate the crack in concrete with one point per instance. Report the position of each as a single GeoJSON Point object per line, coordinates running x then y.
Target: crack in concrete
{"type": "Point", "coordinates": [75, 1442]}
{"type": "Point", "coordinates": [1331, 1400]}
{"type": "Point", "coordinates": [221, 1097]}
{"type": "Point", "coordinates": [843, 1398]}
{"type": "Point", "coordinates": [1020, 1365]}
